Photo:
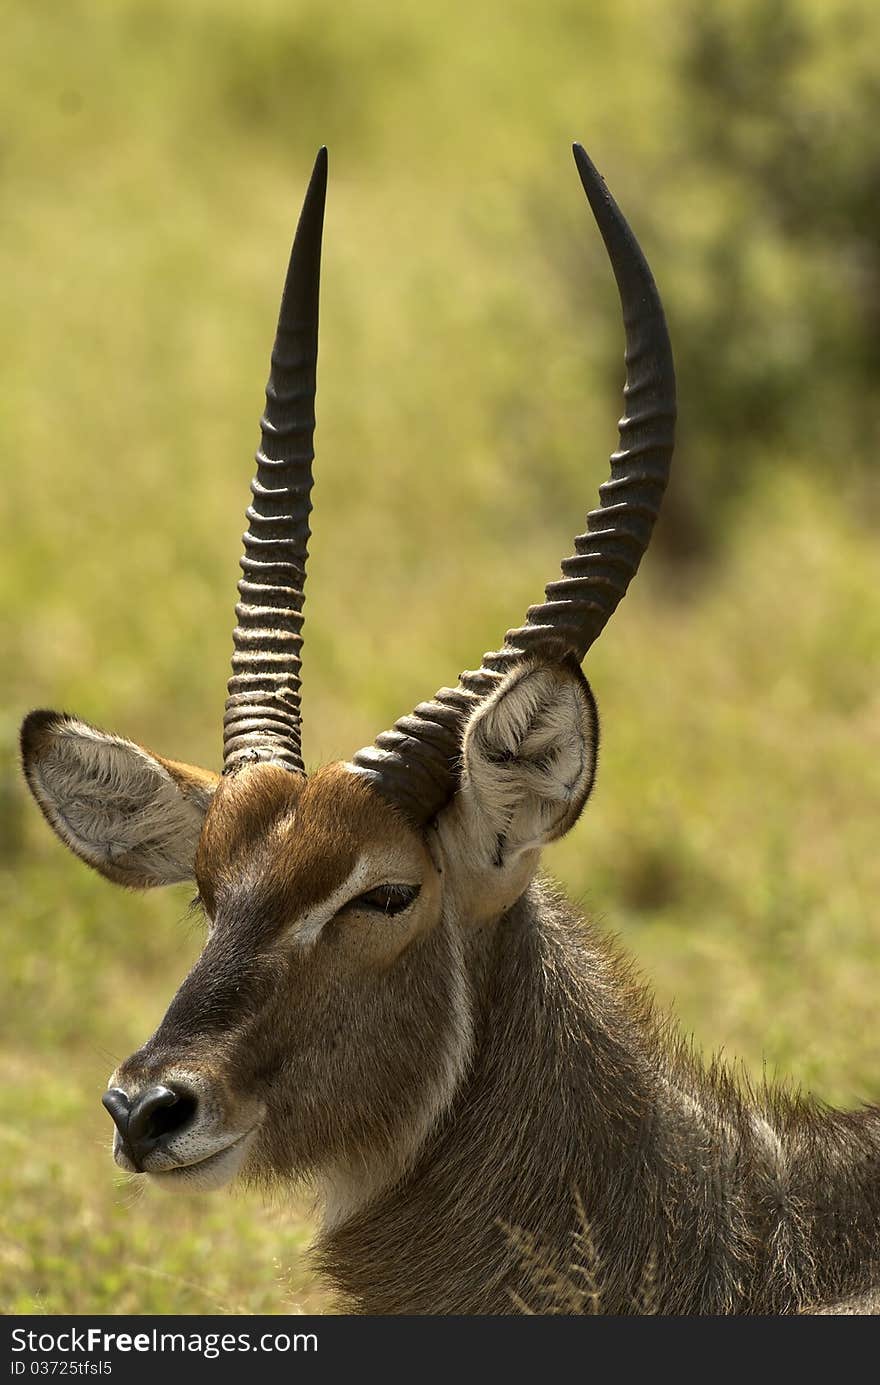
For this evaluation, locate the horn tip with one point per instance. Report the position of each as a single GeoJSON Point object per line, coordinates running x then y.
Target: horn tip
{"type": "Point", "coordinates": [590, 176]}
{"type": "Point", "coordinates": [318, 182]}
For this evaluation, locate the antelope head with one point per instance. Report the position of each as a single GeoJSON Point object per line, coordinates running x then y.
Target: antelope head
{"type": "Point", "coordinates": [330, 1017]}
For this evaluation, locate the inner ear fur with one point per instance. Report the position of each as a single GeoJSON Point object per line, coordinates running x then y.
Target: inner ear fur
{"type": "Point", "coordinates": [529, 756]}
{"type": "Point", "coordinates": [132, 815]}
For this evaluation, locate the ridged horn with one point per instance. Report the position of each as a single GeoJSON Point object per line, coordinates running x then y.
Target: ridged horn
{"type": "Point", "coordinates": [262, 719]}
{"type": "Point", "coordinates": [415, 764]}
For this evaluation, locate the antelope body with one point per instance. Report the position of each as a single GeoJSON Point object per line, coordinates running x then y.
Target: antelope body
{"type": "Point", "coordinates": [392, 1004]}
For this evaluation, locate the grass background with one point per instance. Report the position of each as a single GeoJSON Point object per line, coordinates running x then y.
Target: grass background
{"type": "Point", "coordinates": [153, 158]}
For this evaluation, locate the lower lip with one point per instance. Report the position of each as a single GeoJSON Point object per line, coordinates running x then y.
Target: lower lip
{"type": "Point", "coordinates": [202, 1168]}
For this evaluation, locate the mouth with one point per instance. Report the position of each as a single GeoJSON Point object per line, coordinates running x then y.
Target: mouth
{"type": "Point", "coordinates": [204, 1175]}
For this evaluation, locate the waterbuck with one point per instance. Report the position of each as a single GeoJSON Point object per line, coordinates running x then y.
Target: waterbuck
{"type": "Point", "coordinates": [391, 1003]}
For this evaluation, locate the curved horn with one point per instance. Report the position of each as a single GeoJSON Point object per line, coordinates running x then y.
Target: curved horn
{"type": "Point", "coordinates": [414, 765]}
{"type": "Point", "coordinates": [262, 720]}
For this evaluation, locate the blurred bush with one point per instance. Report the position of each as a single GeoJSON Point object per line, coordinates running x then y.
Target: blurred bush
{"type": "Point", "coordinates": [778, 333]}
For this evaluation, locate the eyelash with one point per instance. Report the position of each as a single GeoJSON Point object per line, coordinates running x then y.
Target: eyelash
{"type": "Point", "coordinates": [386, 899]}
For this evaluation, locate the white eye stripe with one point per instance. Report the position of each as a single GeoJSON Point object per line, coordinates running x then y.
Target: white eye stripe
{"type": "Point", "coordinates": [367, 875]}
{"type": "Point", "coordinates": [307, 928]}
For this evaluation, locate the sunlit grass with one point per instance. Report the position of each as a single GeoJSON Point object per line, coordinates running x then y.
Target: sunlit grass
{"type": "Point", "coordinates": [155, 156]}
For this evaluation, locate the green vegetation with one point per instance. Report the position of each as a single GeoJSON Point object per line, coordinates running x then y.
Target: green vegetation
{"type": "Point", "coordinates": [154, 155]}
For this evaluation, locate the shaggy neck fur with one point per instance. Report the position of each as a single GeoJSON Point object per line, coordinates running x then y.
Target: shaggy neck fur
{"type": "Point", "coordinates": [586, 1133]}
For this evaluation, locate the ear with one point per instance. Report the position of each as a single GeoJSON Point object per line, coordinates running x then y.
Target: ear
{"type": "Point", "coordinates": [133, 816]}
{"type": "Point", "coordinates": [529, 760]}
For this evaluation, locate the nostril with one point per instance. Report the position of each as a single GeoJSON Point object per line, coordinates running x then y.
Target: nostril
{"type": "Point", "coordinates": [116, 1102]}
{"type": "Point", "coordinates": [169, 1116]}
{"type": "Point", "coordinates": [158, 1113]}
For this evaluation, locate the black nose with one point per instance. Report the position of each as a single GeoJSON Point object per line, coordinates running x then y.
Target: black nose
{"type": "Point", "coordinates": [150, 1119]}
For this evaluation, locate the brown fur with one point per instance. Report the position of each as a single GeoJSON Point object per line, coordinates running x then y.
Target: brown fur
{"type": "Point", "coordinates": [577, 1090]}
{"type": "Point", "coordinates": [479, 1089]}
{"type": "Point", "coordinates": [337, 1042]}
{"type": "Point", "coordinates": [301, 836]}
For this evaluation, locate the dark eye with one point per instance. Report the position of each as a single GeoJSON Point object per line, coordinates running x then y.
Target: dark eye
{"type": "Point", "coordinates": [387, 899]}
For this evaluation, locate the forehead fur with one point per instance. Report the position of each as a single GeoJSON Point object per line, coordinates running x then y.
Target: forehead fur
{"type": "Point", "coordinates": [292, 840]}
